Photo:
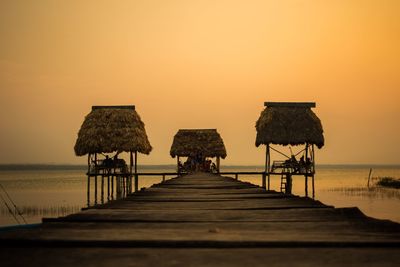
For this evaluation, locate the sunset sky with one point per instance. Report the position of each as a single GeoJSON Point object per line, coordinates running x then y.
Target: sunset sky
{"type": "Point", "coordinates": [200, 64]}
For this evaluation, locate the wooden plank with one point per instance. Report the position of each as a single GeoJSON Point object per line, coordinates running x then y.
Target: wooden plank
{"type": "Point", "coordinates": [172, 256]}
{"type": "Point", "coordinates": [228, 232]}
{"type": "Point", "coordinates": [200, 257]}
{"type": "Point", "coordinates": [277, 215]}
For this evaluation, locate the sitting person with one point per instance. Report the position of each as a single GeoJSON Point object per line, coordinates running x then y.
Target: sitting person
{"type": "Point", "coordinates": [302, 165]}
{"type": "Point", "coordinates": [213, 168]}
{"type": "Point", "coordinates": [107, 162]}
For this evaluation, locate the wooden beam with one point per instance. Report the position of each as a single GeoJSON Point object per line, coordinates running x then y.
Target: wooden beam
{"type": "Point", "coordinates": [291, 104]}
{"type": "Point", "coordinates": [114, 107]}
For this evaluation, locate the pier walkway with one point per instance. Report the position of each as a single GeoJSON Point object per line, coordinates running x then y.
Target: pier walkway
{"type": "Point", "coordinates": [205, 219]}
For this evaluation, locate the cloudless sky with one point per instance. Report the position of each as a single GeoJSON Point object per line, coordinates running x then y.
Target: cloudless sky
{"type": "Point", "coordinates": [199, 64]}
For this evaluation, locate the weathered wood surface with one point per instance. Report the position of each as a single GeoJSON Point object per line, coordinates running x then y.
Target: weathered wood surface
{"type": "Point", "coordinates": [205, 219]}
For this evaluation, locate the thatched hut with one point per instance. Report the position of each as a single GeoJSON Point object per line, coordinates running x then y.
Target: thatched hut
{"type": "Point", "coordinates": [108, 129]}
{"type": "Point", "coordinates": [290, 123]}
{"type": "Point", "coordinates": [206, 143]}
{"type": "Point", "coordinates": [111, 129]}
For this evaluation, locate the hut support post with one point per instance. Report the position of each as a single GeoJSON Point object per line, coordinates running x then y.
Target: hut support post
{"type": "Point", "coordinates": [177, 166]}
{"type": "Point", "coordinates": [95, 189]}
{"type": "Point", "coordinates": [136, 175]}
{"type": "Point", "coordinates": [269, 167]}
{"type": "Point", "coordinates": [264, 182]}
{"type": "Point", "coordinates": [117, 187]}
{"type": "Point", "coordinates": [218, 164]}
{"type": "Point", "coordinates": [95, 178]}
{"type": "Point", "coordinates": [313, 170]}
{"type": "Point", "coordinates": [267, 163]}
{"type": "Point", "coordinates": [130, 170]}
{"type": "Point", "coordinates": [288, 189]}
{"type": "Point", "coordinates": [102, 189]}
{"type": "Point", "coordinates": [313, 159]}
{"type": "Point", "coordinates": [108, 187]}
{"type": "Point", "coordinates": [112, 187]}
{"type": "Point", "coordinates": [88, 181]}
{"type": "Point", "coordinates": [306, 174]}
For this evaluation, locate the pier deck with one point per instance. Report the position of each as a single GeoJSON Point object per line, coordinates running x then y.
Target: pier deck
{"type": "Point", "coordinates": [204, 219]}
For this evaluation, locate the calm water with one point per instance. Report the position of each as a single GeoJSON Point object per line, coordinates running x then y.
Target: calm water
{"type": "Point", "coordinates": [57, 191]}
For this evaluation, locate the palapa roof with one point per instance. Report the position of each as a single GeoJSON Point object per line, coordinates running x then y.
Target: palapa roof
{"type": "Point", "coordinates": [191, 142]}
{"type": "Point", "coordinates": [112, 128]}
{"type": "Point", "coordinates": [286, 123]}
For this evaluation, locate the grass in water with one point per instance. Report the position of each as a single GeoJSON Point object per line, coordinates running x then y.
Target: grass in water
{"type": "Point", "coordinates": [389, 182]}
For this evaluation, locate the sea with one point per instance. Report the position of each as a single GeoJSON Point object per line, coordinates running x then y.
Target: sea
{"type": "Point", "coordinates": [29, 193]}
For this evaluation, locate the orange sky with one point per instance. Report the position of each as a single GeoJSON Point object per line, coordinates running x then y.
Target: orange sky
{"type": "Point", "coordinates": [199, 64]}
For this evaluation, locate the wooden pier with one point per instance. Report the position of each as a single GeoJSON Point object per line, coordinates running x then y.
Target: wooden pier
{"type": "Point", "coordinates": [206, 220]}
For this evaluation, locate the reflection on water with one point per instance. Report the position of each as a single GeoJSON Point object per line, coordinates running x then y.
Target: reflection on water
{"type": "Point", "coordinates": [42, 211]}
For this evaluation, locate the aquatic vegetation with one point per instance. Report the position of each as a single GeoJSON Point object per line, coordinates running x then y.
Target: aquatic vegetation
{"type": "Point", "coordinates": [375, 192]}
{"type": "Point", "coordinates": [389, 182]}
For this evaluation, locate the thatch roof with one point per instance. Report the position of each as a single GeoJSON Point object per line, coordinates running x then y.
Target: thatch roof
{"type": "Point", "coordinates": [112, 128]}
{"type": "Point", "coordinates": [205, 142]}
{"type": "Point", "coordinates": [286, 123]}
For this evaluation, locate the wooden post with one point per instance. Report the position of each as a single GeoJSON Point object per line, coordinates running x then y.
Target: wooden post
{"type": "Point", "coordinates": [130, 171]}
{"type": "Point", "coordinates": [88, 163]}
{"type": "Point", "coordinates": [102, 189]}
{"type": "Point", "coordinates": [369, 176]}
{"type": "Point", "coordinates": [95, 178]}
{"type": "Point", "coordinates": [163, 178]}
{"type": "Point", "coordinates": [269, 168]}
{"type": "Point", "coordinates": [218, 164]}
{"type": "Point", "coordinates": [236, 176]}
{"type": "Point", "coordinates": [116, 187]}
{"type": "Point", "coordinates": [95, 189]}
{"type": "Point", "coordinates": [264, 181]}
{"type": "Point", "coordinates": [313, 188]}
{"type": "Point", "coordinates": [313, 158]}
{"type": "Point", "coordinates": [88, 181]}
{"type": "Point", "coordinates": [136, 175]}
{"type": "Point", "coordinates": [112, 187]}
{"type": "Point", "coordinates": [288, 184]}
{"type": "Point", "coordinates": [306, 174]}
{"type": "Point", "coordinates": [108, 187]}
{"type": "Point", "coordinates": [177, 166]}
{"type": "Point", "coordinates": [124, 187]}
{"type": "Point", "coordinates": [306, 157]}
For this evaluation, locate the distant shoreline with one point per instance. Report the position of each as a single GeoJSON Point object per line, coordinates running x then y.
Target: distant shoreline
{"type": "Point", "coordinates": [30, 167]}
